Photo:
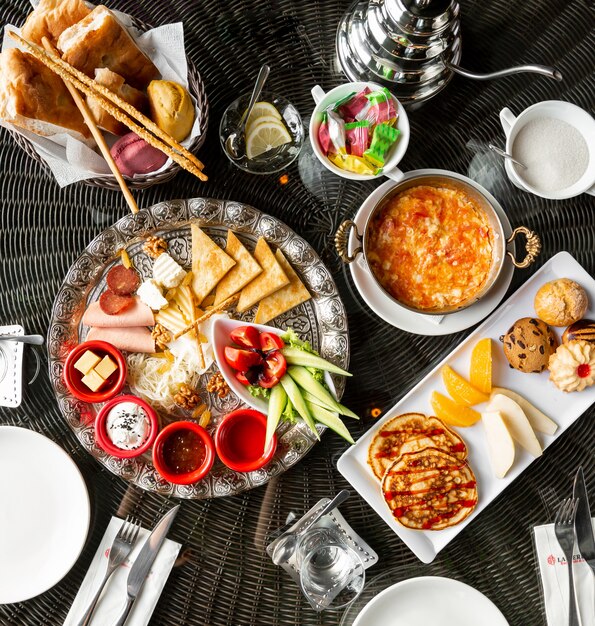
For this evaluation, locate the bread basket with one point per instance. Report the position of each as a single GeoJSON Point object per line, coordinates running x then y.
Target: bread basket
{"type": "Point", "coordinates": [197, 90]}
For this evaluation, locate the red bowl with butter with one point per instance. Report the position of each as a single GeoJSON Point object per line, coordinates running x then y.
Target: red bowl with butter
{"type": "Point", "coordinates": [126, 426]}
{"type": "Point", "coordinates": [95, 371]}
{"type": "Point", "coordinates": [183, 453]}
{"type": "Point", "coordinates": [240, 438]}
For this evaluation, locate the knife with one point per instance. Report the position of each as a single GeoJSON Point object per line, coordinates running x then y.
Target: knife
{"type": "Point", "coordinates": [583, 525]}
{"type": "Point", "coordinates": [140, 569]}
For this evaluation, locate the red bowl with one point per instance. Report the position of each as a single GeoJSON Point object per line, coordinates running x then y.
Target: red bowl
{"type": "Point", "coordinates": [240, 439]}
{"type": "Point", "coordinates": [189, 477]}
{"type": "Point", "coordinates": [103, 439]}
{"type": "Point", "coordinates": [73, 378]}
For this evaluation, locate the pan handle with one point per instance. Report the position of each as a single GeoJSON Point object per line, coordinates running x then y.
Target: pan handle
{"type": "Point", "coordinates": [342, 241]}
{"type": "Point", "coordinates": [532, 246]}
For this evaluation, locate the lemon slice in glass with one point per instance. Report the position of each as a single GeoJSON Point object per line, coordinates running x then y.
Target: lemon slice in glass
{"type": "Point", "coordinates": [264, 108]}
{"type": "Point", "coordinates": [252, 121]}
{"type": "Point", "coordinates": [265, 136]}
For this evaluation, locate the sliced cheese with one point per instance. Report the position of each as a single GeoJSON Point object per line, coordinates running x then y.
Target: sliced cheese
{"type": "Point", "coordinates": [500, 443]}
{"type": "Point", "coordinates": [516, 422]}
{"type": "Point", "coordinates": [538, 420]}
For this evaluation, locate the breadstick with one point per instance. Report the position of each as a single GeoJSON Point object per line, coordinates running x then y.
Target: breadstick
{"type": "Point", "coordinates": [226, 304]}
{"type": "Point", "coordinates": [90, 121]}
{"type": "Point", "coordinates": [102, 95]}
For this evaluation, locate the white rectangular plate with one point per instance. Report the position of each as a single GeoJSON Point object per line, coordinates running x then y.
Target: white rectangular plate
{"type": "Point", "coordinates": [563, 408]}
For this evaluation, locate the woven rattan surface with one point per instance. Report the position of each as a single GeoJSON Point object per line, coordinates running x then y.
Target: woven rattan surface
{"type": "Point", "coordinates": [224, 576]}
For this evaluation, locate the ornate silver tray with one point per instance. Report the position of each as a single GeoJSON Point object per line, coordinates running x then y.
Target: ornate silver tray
{"type": "Point", "coordinates": [322, 320]}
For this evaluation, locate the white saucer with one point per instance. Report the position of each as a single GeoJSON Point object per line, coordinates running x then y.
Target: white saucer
{"type": "Point", "coordinates": [430, 601]}
{"type": "Point", "coordinates": [44, 514]}
{"type": "Point", "coordinates": [407, 320]}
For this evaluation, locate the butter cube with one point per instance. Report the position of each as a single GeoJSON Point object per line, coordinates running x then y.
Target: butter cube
{"type": "Point", "coordinates": [87, 362]}
{"type": "Point", "coordinates": [93, 380]}
{"type": "Point", "coordinates": [106, 368]}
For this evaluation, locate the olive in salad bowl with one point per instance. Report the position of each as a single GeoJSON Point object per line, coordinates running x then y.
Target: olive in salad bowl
{"type": "Point", "coordinates": [183, 453]}
{"type": "Point", "coordinates": [275, 372]}
{"type": "Point", "coordinates": [126, 426]}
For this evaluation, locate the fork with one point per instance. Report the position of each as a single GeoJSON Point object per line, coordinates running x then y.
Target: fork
{"type": "Point", "coordinates": [564, 529]}
{"type": "Point", "coordinates": [121, 548]}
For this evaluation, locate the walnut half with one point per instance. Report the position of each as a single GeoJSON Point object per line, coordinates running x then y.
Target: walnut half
{"type": "Point", "coordinates": [218, 385]}
{"type": "Point", "coordinates": [186, 398]}
{"type": "Point", "coordinates": [161, 335]}
{"type": "Point", "coordinates": [154, 246]}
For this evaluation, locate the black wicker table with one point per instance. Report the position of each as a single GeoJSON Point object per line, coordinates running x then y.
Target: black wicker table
{"type": "Point", "coordinates": [223, 575]}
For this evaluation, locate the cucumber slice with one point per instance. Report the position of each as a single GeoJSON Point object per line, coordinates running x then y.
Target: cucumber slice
{"type": "Point", "coordinates": [277, 403]}
{"type": "Point", "coordinates": [304, 379]}
{"type": "Point", "coordinates": [332, 420]}
{"type": "Point", "coordinates": [295, 356]}
{"type": "Point", "coordinates": [294, 394]}
{"type": "Point", "coordinates": [318, 402]}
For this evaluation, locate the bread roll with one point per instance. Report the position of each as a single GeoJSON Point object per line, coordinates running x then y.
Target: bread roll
{"type": "Point", "coordinates": [171, 108]}
{"type": "Point", "coordinates": [99, 40]}
{"type": "Point", "coordinates": [114, 82]}
{"type": "Point", "coordinates": [561, 302]}
{"type": "Point", "coordinates": [34, 98]}
{"type": "Point", "coordinates": [51, 17]}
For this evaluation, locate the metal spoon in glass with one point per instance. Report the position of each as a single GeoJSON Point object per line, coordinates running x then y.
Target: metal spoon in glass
{"type": "Point", "coordinates": [288, 542]}
{"type": "Point", "coordinates": [36, 340]}
{"type": "Point", "coordinates": [235, 144]}
{"type": "Point", "coordinates": [504, 154]}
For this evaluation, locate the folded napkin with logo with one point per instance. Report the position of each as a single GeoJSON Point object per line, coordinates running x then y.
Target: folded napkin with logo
{"type": "Point", "coordinates": [554, 578]}
{"type": "Point", "coordinates": [113, 599]}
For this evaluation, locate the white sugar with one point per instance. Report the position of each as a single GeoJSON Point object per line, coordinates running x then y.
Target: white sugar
{"type": "Point", "coordinates": [555, 153]}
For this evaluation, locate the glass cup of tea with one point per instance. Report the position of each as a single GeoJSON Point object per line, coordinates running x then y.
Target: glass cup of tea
{"type": "Point", "coordinates": [332, 574]}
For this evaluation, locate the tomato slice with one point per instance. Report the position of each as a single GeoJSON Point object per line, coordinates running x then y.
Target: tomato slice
{"type": "Point", "coordinates": [246, 337]}
{"type": "Point", "coordinates": [270, 341]}
{"type": "Point", "coordinates": [275, 365]}
{"type": "Point", "coordinates": [241, 360]}
{"type": "Point", "coordinates": [242, 378]}
{"type": "Point", "coordinates": [267, 381]}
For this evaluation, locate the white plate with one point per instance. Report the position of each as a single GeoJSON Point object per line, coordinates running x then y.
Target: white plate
{"type": "Point", "coordinates": [44, 514]}
{"type": "Point", "coordinates": [563, 408]}
{"type": "Point", "coordinates": [430, 601]}
{"type": "Point", "coordinates": [407, 320]}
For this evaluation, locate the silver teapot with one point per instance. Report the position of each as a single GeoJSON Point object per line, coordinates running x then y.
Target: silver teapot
{"type": "Point", "coordinates": [411, 46]}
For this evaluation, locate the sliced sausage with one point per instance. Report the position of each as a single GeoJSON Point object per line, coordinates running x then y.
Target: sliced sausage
{"type": "Point", "coordinates": [123, 281]}
{"type": "Point", "coordinates": [112, 303]}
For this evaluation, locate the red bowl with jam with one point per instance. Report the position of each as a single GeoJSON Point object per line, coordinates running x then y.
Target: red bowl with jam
{"type": "Point", "coordinates": [74, 378]}
{"type": "Point", "coordinates": [183, 453]}
{"type": "Point", "coordinates": [119, 420]}
{"type": "Point", "coordinates": [240, 438]}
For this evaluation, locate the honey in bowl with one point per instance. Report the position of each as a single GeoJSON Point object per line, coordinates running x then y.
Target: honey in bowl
{"type": "Point", "coordinates": [431, 248]}
{"type": "Point", "coordinates": [183, 452]}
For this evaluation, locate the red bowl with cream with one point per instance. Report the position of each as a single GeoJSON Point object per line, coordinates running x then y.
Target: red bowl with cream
{"type": "Point", "coordinates": [126, 427]}
{"type": "Point", "coordinates": [183, 453]}
{"type": "Point", "coordinates": [240, 438]}
{"type": "Point", "coordinates": [74, 378]}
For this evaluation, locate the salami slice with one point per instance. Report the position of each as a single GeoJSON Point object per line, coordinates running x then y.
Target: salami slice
{"type": "Point", "coordinates": [112, 303]}
{"type": "Point", "coordinates": [123, 281]}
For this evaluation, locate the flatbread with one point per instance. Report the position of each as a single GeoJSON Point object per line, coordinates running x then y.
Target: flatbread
{"type": "Point", "coordinates": [285, 298]}
{"type": "Point", "coordinates": [245, 269]}
{"type": "Point", "coordinates": [51, 18]}
{"type": "Point", "coordinates": [409, 433]}
{"type": "Point", "coordinates": [267, 282]}
{"type": "Point", "coordinates": [430, 490]}
{"type": "Point", "coordinates": [209, 264]}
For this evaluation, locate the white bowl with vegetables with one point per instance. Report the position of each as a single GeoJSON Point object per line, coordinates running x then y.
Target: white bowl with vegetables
{"type": "Point", "coordinates": [275, 372]}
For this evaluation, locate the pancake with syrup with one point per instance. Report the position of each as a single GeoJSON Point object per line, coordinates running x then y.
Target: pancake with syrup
{"type": "Point", "coordinates": [430, 490]}
{"type": "Point", "coordinates": [409, 433]}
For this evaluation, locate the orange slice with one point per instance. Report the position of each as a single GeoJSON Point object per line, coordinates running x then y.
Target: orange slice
{"type": "Point", "coordinates": [452, 413]}
{"type": "Point", "coordinates": [461, 390]}
{"type": "Point", "coordinates": [480, 372]}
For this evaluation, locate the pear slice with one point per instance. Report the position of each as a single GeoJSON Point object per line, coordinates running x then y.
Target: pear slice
{"type": "Point", "coordinates": [500, 443]}
{"type": "Point", "coordinates": [538, 420]}
{"type": "Point", "coordinates": [516, 422]}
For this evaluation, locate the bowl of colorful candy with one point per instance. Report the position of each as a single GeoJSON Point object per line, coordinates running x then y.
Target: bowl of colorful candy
{"type": "Point", "coordinates": [358, 130]}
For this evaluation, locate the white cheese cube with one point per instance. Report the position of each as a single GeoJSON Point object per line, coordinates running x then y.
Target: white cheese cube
{"type": "Point", "coordinates": [166, 272]}
{"type": "Point", "coordinates": [93, 380]}
{"type": "Point", "coordinates": [87, 362]}
{"type": "Point", "coordinates": [150, 293]}
{"type": "Point", "coordinates": [106, 368]}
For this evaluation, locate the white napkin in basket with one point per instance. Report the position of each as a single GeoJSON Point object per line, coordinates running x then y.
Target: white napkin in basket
{"type": "Point", "coordinates": [113, 599]}
{"type": "Point", "coordinates": [554, 579]}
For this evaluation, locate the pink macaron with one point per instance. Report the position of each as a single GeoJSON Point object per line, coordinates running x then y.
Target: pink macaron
{"type": "Point", "coordinates": [134, 155]}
